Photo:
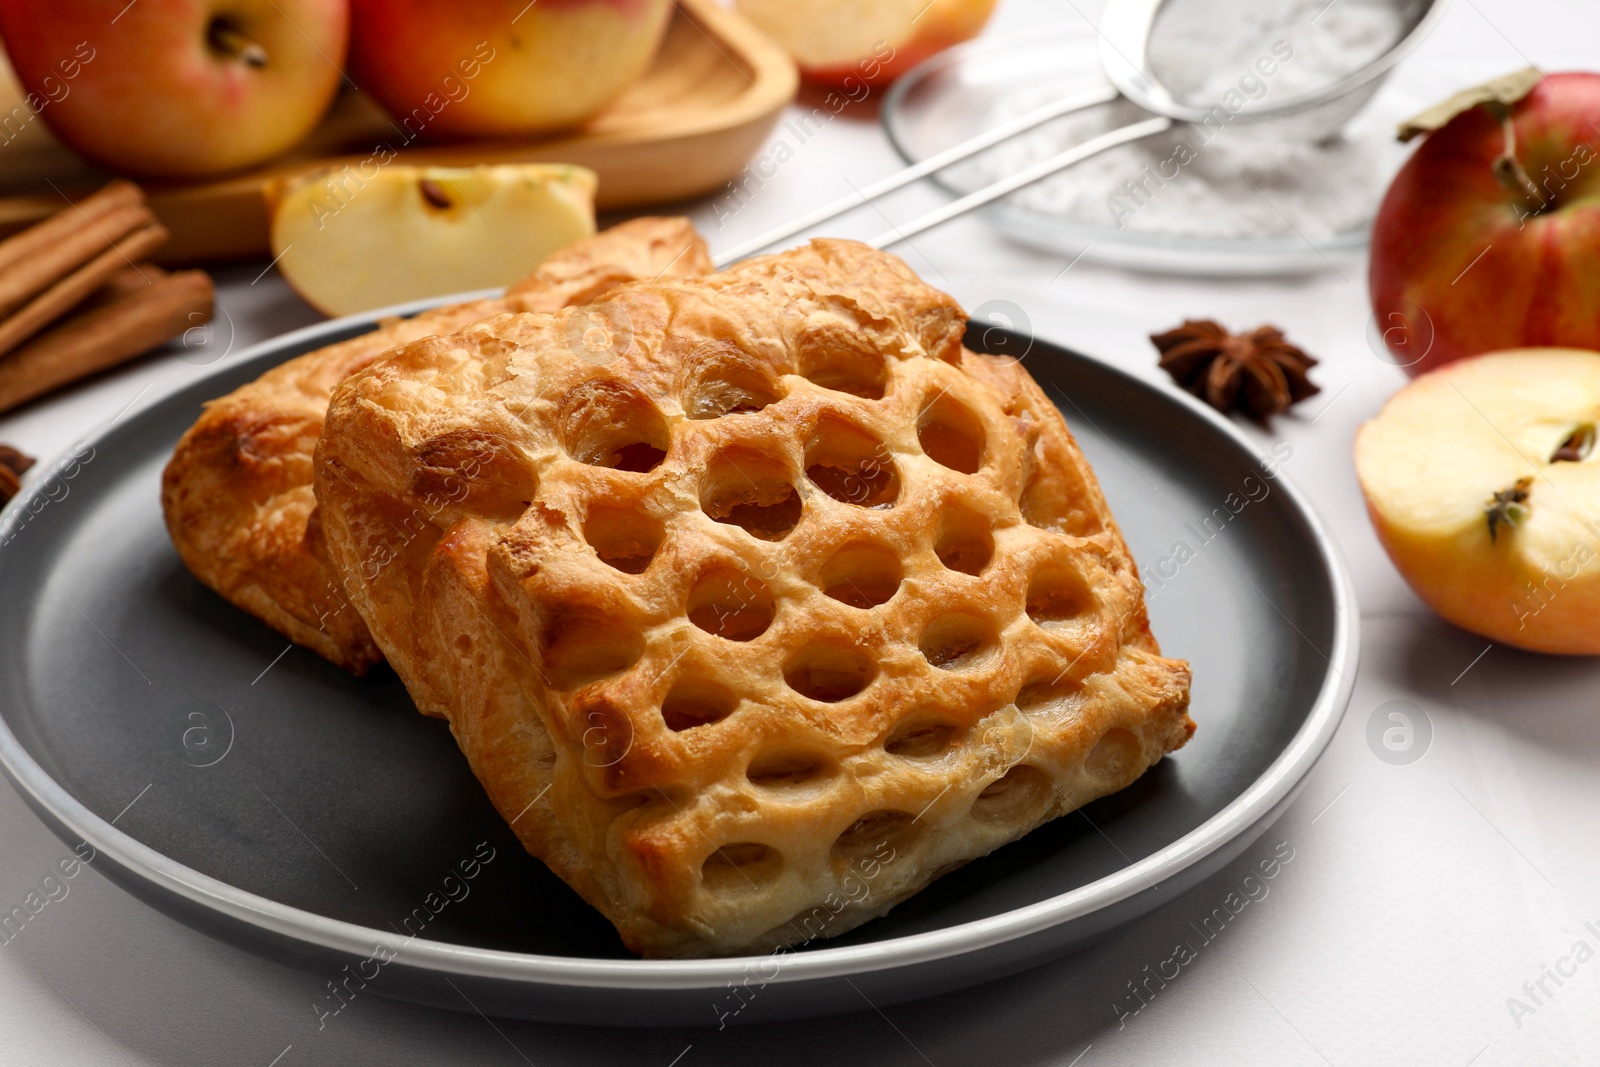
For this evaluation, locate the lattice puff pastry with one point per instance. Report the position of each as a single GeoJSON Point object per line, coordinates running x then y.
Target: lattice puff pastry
{"type": "Point", "coordinates": [754, 600]}
{"type": "Point", "coordinates": [237, 492]}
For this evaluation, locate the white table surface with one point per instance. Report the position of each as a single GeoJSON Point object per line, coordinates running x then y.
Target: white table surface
{"type": "Point", "coordinates": [1420, 896]}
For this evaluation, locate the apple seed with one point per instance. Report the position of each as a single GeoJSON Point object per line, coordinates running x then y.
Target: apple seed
{"type": "Point", "coordinates": [434, 194]}
{"type": "Point", "coordinates": [1576, 445]}
{"type": "Point", "coordinates": [1508, 506]}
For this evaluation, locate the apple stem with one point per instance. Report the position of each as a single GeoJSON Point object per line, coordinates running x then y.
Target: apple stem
{"type": "Point", "coordinates": [1509, 170]}
{"type": "Point", "coordinates": [231, 41]}
{"type": "Point", "coordinates": [1508, 507]}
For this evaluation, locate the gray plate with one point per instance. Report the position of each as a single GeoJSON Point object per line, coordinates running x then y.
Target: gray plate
{"type": "Point", "coordinates": [312, 818]}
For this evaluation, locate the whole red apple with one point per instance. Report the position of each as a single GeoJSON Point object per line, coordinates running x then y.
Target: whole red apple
{"type": "Point", "coordinates": [493, 68]}
{"type": "Point", "coordinates": [178, 88]}
{"type": "Point", "coordinates": [1474, 253]}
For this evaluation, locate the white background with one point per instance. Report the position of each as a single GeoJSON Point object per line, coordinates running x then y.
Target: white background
{"type": "Point", "coordinates": [1419, 899]}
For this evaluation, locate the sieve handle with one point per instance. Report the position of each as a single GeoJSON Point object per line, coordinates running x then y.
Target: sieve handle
{"type": "Point", "coordinates": [938, 161]}
{"type": "Point", "coordinates": [1027, 176]}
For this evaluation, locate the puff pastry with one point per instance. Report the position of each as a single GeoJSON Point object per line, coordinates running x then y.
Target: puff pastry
{"type": "Point", "coordinates": [755, 601]}
{"type": "Point", "coordinates": [237, 493]}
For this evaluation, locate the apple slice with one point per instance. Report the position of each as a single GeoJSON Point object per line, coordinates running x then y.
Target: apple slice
{"type": "Point", "coordinates": [349, 243]}
{"type": "Point", "coordinates": [851, 44]}
{"type": "Point", "coordinates": [1483, 483]}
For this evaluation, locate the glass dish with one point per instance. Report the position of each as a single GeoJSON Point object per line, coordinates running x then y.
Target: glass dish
{"type": "Point", "coordinates": [966, 90]}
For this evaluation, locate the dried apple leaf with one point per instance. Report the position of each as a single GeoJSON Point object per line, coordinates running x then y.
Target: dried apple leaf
{"type": "Point", "coordinates": [1504, 91]}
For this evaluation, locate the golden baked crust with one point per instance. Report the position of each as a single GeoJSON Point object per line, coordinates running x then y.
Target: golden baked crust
{"type": "Point", "coordinates": [237, 492]}
{"type": "Point", "coordinates": [754, 600]}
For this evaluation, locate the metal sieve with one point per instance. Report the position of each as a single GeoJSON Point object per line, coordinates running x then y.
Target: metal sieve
{"type": "Point", "coordinates": [1147, 53]}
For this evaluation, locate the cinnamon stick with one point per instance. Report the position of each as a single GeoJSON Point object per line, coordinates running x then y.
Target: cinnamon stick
{"type": "Point", "coordinates": [41, 235]}
{"type": "Point", "coordinates": [135, 320]}
{"type": "Point", "coordinates": [70, 291]}
{"type": "Point", "coordinates": [125, 282]}
{"type": "Point", "coordinates": [12, 465]}
{"type": "Point", "coordinates": [16, 459]}
{"type": "Point", "coordinates": [72, 238]}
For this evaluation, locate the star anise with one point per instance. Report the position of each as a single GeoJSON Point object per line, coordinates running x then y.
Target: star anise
{"type": "Point", "coordinates": [12, 464]}
{"type": "Point", "coordinates": [1258, 372]}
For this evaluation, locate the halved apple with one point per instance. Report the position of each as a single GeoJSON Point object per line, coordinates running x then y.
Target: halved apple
{"type": "Point", "coordinates": [1483, 483]}
{"type": "Point", "coordinates": [349, 242]}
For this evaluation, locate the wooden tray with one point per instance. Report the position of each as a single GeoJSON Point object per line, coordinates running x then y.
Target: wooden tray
{"type": "Point", "coordinates": [699, 113]}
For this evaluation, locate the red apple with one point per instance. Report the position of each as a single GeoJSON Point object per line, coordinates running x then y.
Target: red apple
{"type": "Point", "coordinates": [501, 67]}
{"type": "Point", "coordinates": [178, 88]}
{"type": "Point", "coordinates": [849, 43]}
{"type": "Point", "coordinates": [1473, 254]}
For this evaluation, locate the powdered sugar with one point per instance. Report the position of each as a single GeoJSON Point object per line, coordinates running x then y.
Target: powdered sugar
{"type": "Point", "coordinates": [1226, 180]}
{"type": "Point", "coordinates": [1198, 49]}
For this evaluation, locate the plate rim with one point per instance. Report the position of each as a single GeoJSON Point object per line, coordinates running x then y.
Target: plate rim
{"type": "Point", "coordinates": [1273, 787]}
